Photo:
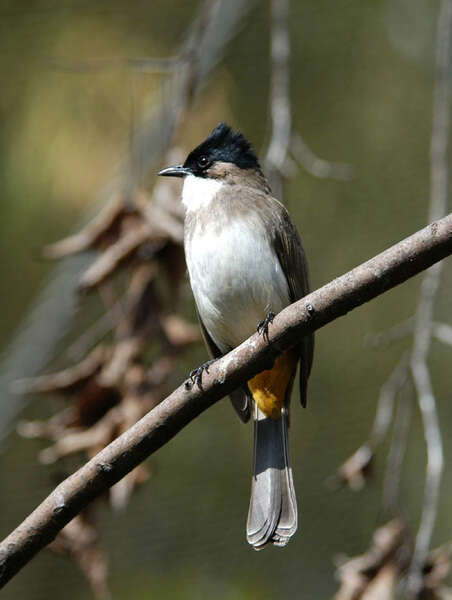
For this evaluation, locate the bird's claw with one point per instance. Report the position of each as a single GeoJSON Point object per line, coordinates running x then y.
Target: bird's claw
{"type": "Point", "coordinates": [196, 374]}
{"type": "Point", "coordinates": [262, 327]}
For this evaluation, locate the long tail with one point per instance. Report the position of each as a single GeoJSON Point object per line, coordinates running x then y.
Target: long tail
{"type": "Point", "coordinates": [272, 516]}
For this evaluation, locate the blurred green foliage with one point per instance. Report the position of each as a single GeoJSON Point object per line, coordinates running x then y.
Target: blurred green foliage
{"type": "Point", "coordinates": [362, 75]}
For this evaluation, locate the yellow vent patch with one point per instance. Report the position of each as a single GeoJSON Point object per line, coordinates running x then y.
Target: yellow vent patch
{"type": "Point", "coordinates": [269, 387]}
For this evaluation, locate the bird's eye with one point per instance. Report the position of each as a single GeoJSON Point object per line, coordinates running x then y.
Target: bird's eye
{"type": "Point", "coordinates": [203, 161]}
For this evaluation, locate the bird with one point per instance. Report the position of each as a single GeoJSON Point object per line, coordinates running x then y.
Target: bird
{"type": "Point", "coordinates": [246, 263]}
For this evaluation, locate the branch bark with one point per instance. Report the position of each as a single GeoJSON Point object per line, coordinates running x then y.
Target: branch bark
{"type": "Point", "coordinates": [383, 272]}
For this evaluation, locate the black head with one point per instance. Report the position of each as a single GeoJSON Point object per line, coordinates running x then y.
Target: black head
{"type": "Point", "coordinates": [222, 145]}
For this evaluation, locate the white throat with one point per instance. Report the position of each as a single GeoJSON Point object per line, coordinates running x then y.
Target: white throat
{"type": "Point", "coordinates": [199, 192]}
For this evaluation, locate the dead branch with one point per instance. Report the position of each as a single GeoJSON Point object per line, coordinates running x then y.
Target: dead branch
{"type": "Point", "coordinates": [203, 46]}
{"type": "Point", "coordinates": [381, 273]}
{"type": "Point", "coordinates": [355, 471]}
{"type": "Point", "coordinates": [376, 574]}
{"type": "Point", "coordinates": [141, 239]}
{"type": "Point", "coordinates": [373, 575]}
{"type": "Point", "coordinates": [103, 227]}
{"type": "Point", "coordinates": [68, 379]}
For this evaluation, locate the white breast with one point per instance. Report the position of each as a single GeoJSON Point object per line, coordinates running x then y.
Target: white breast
{"type": "Point", "coordinates": [236, 279]}
{"type": "Point", "coordinates": [198, 192]}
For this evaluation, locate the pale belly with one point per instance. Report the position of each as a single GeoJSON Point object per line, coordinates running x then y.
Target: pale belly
{"type": "Point", "coordinates": [236, 280]}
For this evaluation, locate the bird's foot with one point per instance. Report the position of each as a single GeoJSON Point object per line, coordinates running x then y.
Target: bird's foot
{"type": "Point", "coordinates": [196, 375]}
{"type": "Point", "coordinates": [262, 327]}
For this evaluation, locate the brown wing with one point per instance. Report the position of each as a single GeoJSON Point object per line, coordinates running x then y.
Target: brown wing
{"type": "Point", "coordinates": [239, 398]}
{"type": "Point", "coordinates": [288, 247]}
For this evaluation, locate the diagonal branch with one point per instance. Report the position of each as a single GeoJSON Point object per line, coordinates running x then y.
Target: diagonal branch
{"type": "Point", "coordinates": [376, 276]}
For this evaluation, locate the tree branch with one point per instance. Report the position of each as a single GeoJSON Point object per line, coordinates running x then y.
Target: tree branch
{"type": "Point", "coordinates": [383, 272]}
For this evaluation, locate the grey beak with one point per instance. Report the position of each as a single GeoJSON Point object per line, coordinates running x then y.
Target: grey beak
{"type": "Point", "coordinates": [176, 171]}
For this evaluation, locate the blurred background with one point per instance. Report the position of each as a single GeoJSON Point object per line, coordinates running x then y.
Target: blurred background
{"type": "Point", "coordinates": [85, 117]}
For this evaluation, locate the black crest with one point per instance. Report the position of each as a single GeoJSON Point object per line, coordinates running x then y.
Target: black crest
{"type": "Point", "coordinates": [224, 145]}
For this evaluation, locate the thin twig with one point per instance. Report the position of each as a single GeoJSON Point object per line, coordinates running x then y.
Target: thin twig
{"type": "Point", "coordinates": [94, 333]}
{"type": "Point", "coordinates": [385, 407]}
{"type": "Point", "coordinates": [358, 467]}
{"type": "Point", "coordinates": [65, 379]}
{"type": "Point", "coordinates": [280, 107]}
{"type": "Point", "coordinates": [319, 167]}
{"type": "Point", "coordinates": [386, 338]}
{"type": "Point", "coordinates": [143, 65]}
{"type": "Point", "coordinates": [439, 173]}
{"type": "Point", "coordinates": [396, 453]}
{"type": "Point", "coordinates": [284, 141]}
{"type": "Point", "coordinates": [432, 434]}
{"type": "Point", "coordinates": [157, 427]}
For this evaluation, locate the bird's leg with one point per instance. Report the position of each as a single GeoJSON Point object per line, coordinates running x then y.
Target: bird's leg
{"type": "Point", "coordinates": [196, 374]}
{"type": "Point", "coordinates": [262, 327]}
